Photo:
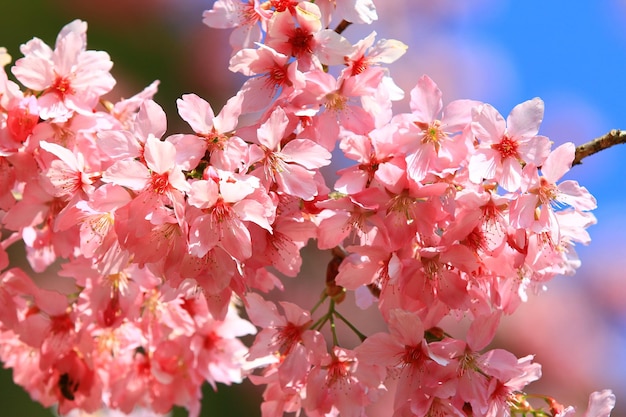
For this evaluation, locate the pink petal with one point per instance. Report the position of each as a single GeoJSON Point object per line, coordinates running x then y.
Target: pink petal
{"type": "Point", "coordinates": [160, 156]}
{"type": "Point", "coordinates": [235, 239]}
{"type": "Point", "coordinates": [511, 177]}
{"type": "Point", "coordinates": [262, 313]}
{"type": "Point", "coordinates": [600, 404]}
{"type": "Point", "coordinates": [223, 15]}
{"type": "Point", "coordinates": [558, 162]}
{"type": "Point", "coordinates": [271, 132]}
{"type": "Point", "coordinates": [489, 125]}
{"type": "Point", "coordinates": [150, 119]}
{"type": "Point", "coordinates": [189, 150]}
{"type": "Point", "coordinates": [458, 114]}
{"type": "Point", "coordinates": [253, 211]}
{"type": "Point", "coordinates": [66, 53]}
{"type": "Point", "coordinates": [118, 144]}
{"type": "Point", "coordinates": [62, 153]}
{"type": "Point", "coordinates": [298, 182]}
{"type": "Point", "coordinates": [93, 72]}
{"type": "Point", "coordinates": [306, 153]}
{"type": "Point", "coordinates": [203, 236]}
{"type": "Point", "coordinates": [426, 102]}
{"type": "Point", "coordinates": [128, 173]}
{"type": "Point", "coordinates": [197, 112]}
{"type": "Point", "coordinates": [525, 118]}
{"type": "Point", "coordinates": [203, 194]}
{"type": "Point", "coordinates": [35, 71]}
{"type": "Point", "coordinates": [406, 327]}
{"type": "Point", "coordinates": [576, 196]}
{"type": "Point", "coordinates": [482, 331]}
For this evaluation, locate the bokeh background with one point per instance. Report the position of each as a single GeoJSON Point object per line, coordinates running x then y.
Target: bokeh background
{"type": "Point", "coordinates": [572, 54]}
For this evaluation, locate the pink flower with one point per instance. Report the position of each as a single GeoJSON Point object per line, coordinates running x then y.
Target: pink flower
{"type": "Point", "coordinates": [506, 146]}
{"type": "Point", "coordinates": [600, 405]}
{"type": "Point", "coordinates": [341, 103]}
{"type": "Point", "coordinates": [273, 74]}
{"type": "Point", "coordinates": [225, 203]}
{"type": "Point", "coordinates": [535, 208]}
{"type": "Point", "coordinates": [303, 37]}
{"type": "Point", "coordinates": [248, 18]}
{"type": "Point", "coordinates": [21, 118]}
{"type": "Point", "coordinates": [281, 333]}
{"type": "Point", "coordinates": [366, 55]}
{"type": "Point", "coordinates": [432, 136]}
{"type": "Point", "coordinates": [214, 133]}
{"type": "Point", "coordinates": [356, 11]}
{"type": "Point", "coordinates": [351, 215]}
{"type": "Point", "coordinates": [70, 77]}
{"type": "Point", "coordinates": [124, 110]}
{"type": "Point", "coordinates": [405, 354]}
{"type": "Point", "coordinates": [291, 166]}
{"type": "Point", "coordinates": [66, 175]}
{"type": "Point", "coordinates": [342, 384]}
{"type": "Point", "coordinates": [160, 174]}
{"type": "Point", "coordinates": [219, 354]}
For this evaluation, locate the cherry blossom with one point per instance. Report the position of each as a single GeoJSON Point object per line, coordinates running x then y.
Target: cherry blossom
{"type": "Point", "coordinates": [248, 18]}
{"type": "Point", "coordinates": [71, 77]}
{"type": "Point", "coordinates": [506, 146]}
{"type": "Point", "coordinates": [291, 166]}
{"type": "Point", "coordinates": [170, 246]}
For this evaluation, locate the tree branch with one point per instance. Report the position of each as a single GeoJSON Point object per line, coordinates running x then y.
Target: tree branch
{"type": "Point", "coordinates": [614, 137]}
{"type": "Point", "coordinates": [343, 25]}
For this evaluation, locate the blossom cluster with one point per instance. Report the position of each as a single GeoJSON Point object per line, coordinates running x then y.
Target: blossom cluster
{"type": "Point", "coordinates": [172, 241]}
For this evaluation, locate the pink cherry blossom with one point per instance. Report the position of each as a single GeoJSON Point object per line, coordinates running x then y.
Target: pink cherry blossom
{"type": "Point", "coordinates": [535, 208]}
{"type": "Point", "coordinates": [435, 133]}
{"type": "Point", "coordinates": [289, 166]}
{"type": "Point", "coordinates": [303, 37]}
{"type": "Point", "coordinates": [247, 18]}
{"type": "Point", "coordinates": [342, 384]}
{"type": "Point", "coordinates": [71, 77]}
{"type": "Point", "coordinates": [505, 146]}
{"type": "Point", "coordinates": [274, 77]}
{"type": "Point", "coordinates": [357, 11]}
{"type": "Point", "coordinates": [600, 405]}
{"type": "Point", "coordinates": [159, 175]}
{"type": "Point", "coordinates": [226, 203]}
{"type": "Point", "coordinates": [66, 175]}
{"type": "Point", "coordinates": [404, 354]}
{"type": "Point", "coordinates": [165, 242]}
{"type": "Point", "coordinates": [214, 133]}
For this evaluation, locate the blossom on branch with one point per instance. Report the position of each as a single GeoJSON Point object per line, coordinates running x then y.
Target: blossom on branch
{"type": "Point", "coordinates": [169, 244]}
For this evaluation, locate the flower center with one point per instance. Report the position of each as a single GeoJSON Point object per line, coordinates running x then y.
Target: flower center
{"type": "Point", "coordinates": [62, 87]}
{"type": "Point", "coordinates": [301, 43]}
{"type": "Point", "coordinates": [507, 147]}
{"type": "Point", "coordinates": [159, 183]}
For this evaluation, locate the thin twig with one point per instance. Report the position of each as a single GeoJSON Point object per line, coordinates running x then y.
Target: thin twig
{"type": "Point", "coordinates": [614, 137]}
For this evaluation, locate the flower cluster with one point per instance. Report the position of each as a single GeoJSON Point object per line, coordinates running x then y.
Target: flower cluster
{"type": "Point", "coordinates": [168, 239]}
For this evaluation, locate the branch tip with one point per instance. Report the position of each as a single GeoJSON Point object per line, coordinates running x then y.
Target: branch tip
{"type": "Point", "coordinates": [614, 137]}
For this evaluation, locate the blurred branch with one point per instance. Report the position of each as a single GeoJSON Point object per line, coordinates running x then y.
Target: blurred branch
{"type": "Point", "coordinates": [614, 137]}
{"type": "Point", "coordinates": [343, 25]}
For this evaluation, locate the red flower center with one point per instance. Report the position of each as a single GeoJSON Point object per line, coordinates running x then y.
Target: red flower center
{"type": "Point", "coordinates": [301, 43]}
{"type": "Point", "coordinates": [159, 183]}
{"type": "Point", "coordinates": [62, 87]}
{"type": "Point", "coordinates": [507, 147]}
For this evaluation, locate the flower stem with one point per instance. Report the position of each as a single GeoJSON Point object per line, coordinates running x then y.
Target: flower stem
{"type": "Point", "coordinates": [351, 326]}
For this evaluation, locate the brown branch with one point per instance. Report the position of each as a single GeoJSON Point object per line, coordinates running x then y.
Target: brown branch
{"type": "Point", "coordinates": [343, 25]}
{"type": "Point", "coordinates": [614, 137]}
